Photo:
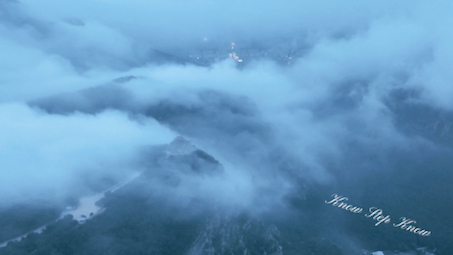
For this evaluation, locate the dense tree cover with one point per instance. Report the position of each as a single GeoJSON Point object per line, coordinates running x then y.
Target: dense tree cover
{"type": "Point", "coordinates": [129, 226]}
{"type": "Point", "coordinates": [135, 224]}
{"type": "Point", "coordinates": [137, 221]}
{"type": "Point", "coordinates": [20, 219]}
{"type": "Point", "coordinates": [403, 184]}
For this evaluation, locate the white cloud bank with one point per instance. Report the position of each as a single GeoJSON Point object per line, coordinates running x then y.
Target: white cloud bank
{"type": "Point", "coordinates": [356, 53]}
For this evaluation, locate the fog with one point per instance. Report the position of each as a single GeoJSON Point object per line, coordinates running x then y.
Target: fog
{"type": "Point", "coordinates": [45, 156]}
{"type": "Point", "coordinates": [84, 91]}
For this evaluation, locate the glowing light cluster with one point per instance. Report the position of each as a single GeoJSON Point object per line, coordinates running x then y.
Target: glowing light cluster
{"type": "Point", "coordinates": [235, 57]}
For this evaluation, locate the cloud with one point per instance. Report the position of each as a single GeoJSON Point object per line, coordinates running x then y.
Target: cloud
{"type": "Point", "coordinates": [49, 157]}
{"type": "Point", "coordinates": [349, 96]}
{"type": "Point", "coordinates": [278, 123]}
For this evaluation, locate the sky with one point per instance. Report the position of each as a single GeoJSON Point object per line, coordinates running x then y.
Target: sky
{"type": "Point", "coordinates": [65, 118]}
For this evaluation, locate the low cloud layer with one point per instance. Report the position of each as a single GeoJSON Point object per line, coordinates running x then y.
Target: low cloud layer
{"type": "Point", "coordinates": [85, 85]}
{"type": "Point", "coordinates": [50, 157]}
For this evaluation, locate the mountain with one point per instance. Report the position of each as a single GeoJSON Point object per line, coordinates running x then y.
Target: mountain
{"type": "Point", "coordinates": [159, 212]}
